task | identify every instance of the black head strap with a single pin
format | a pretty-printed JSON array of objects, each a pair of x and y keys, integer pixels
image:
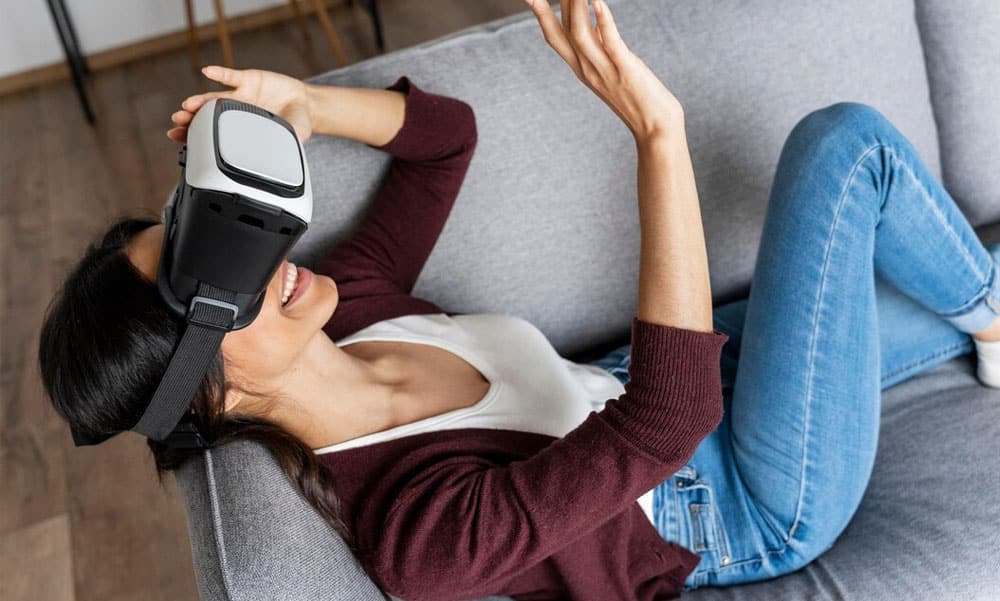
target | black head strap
[{"x": 210, "y": 315}]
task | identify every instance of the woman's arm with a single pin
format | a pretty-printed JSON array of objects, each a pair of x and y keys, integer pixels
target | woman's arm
[
  {"x": 432, "y": 139},
  {"x": 385, "y": 255},
  {"x": 674, "y": 284},
  {"x": 432, "y": 147},
  {"x": 471, "y": 523},
  {"x": 370, "y": 116}
]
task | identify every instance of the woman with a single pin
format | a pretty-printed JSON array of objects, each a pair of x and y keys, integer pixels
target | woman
[{"x": 460, "y": 454}]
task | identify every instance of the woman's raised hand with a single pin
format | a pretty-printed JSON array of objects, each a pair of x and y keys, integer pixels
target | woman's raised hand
[
  {"x": 284, "y": 96},
  {"x": 601, "y": 60}
]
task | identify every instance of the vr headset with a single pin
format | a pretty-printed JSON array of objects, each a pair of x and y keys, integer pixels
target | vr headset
[{"x": 243, "y": 200}]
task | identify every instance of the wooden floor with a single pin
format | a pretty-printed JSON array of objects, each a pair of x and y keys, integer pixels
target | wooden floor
[{"x": 94, "y": 523}]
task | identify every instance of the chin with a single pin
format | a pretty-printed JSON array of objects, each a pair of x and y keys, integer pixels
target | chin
[{"x": 334, "y": 301}]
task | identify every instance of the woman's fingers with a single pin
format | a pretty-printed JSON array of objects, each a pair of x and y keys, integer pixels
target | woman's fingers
[
  {"x": 182, "y": 117},
  {"x": 611, "y": 40},
  {"x": 190, "y": 105},
  {"x": 575, "y": 39},
  {"x": 178, "y": 134},
  {"x": 193, "y": 103},
  {"x": 584, "y": 39},
  {"x": 224, "y": 75},
  {"x": 554, "y": 34}
]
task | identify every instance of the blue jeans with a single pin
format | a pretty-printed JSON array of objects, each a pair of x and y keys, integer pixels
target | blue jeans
[{"x": 818, "y": 338}]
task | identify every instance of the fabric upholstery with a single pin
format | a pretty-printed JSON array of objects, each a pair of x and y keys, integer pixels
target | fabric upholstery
[
  {"x": 548, "y": 211},
  {"x": 548, "y": 208},
  {"x": 961, "y": 40},
  {"x": 255, "y": 539}
]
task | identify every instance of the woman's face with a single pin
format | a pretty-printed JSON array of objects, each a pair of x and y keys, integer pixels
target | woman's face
[{"x": 261, "y": 354}]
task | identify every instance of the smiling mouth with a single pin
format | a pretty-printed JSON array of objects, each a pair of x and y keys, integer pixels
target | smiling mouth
[{"x": 290, "y": 282}]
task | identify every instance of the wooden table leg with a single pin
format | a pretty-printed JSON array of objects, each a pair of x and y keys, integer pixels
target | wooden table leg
[
  {"x": 193, "y": 36},
  {"x": 331, "y": 33},
  {"x": 223, "y": 29},
  {"x": 297, "y": 11}
]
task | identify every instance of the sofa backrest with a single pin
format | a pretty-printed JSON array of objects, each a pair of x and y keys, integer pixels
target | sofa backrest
[
  {"x": 546, "y": 225},
  {"x": 961, "y": 41}
]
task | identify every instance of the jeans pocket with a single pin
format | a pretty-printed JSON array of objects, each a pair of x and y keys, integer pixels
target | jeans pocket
[{"x": 700, "y": 525}]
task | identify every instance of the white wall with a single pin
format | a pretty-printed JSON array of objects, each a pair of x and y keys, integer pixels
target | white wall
[{"x": 28, "y": 36}]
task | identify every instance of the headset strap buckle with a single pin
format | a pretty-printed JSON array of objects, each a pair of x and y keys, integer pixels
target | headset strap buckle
[{"x": 209, "y": 317}]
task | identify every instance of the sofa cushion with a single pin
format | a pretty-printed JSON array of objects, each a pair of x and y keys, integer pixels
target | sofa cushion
[
  {"x": 253, "y": 538},
  {"x": 962, "y": 49},
  {"x": 546, "y": 225}
]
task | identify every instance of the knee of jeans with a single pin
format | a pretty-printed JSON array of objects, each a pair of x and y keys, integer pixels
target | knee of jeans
[
  {"x": 811, "y": 537},
  {"x": 837, "y": 120},
  {"x": 803, "y": 548}
]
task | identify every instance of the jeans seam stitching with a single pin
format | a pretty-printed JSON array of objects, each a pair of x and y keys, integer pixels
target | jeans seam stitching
[
  {"x": 937, "y": 212},
  {"x": 805, "y": 418},
  {"x": 924, "y": 359}
]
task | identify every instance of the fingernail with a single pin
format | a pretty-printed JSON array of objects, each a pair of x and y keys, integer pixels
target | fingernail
[{"x": 598, "y": 7}]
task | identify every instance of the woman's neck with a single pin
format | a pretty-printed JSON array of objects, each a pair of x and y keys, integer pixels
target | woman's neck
[{"x": 331, "y": 395}]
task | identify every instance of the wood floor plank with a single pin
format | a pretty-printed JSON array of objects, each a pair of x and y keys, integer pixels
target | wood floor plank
[
  {"x": 129, "y": 538},
  {"x": 36, "y": 563},
  {"x": 129, "y": 535},
  {"x": 31, "y": 463}
]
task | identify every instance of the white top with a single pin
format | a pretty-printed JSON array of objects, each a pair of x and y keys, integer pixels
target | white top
[{"x": 532, "y": 387}]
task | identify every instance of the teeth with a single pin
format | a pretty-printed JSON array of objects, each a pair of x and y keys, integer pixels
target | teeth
[{"x": 291, "y": 277}]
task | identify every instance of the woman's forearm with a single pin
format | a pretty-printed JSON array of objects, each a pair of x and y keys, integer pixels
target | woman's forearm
[
  {"x": 368, "y": 115},
  {"x": 674, "y": 285}
]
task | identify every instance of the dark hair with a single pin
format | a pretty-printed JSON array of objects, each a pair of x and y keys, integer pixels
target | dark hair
[{"x": 105, "y": 344}]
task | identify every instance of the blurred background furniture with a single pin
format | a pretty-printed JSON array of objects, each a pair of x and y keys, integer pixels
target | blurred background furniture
[
  {"x": 373, "y": 11},
  {"x": 75, "y": 60},
  {"x": 79, "y": 68},
  {"x": 536, "y": 210},
  {"x": 222, "y": 27}
]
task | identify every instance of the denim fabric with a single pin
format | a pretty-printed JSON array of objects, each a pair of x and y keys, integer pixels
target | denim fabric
[{"x": 867, "y": 274}]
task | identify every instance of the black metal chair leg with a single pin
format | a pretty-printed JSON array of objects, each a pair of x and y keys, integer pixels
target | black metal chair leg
[
  {"x": 71, "y": 29},
  {"x": 77, "y": 67}
]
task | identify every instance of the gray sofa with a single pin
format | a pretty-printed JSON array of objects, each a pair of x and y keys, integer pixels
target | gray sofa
[{"x": 546, "y": 228}]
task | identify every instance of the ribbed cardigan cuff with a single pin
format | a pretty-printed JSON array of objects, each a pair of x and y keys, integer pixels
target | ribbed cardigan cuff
[{"x": 674, "y": 395}]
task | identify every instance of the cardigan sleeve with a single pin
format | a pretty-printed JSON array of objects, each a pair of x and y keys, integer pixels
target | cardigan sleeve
[
  {"x": 464, "y": 526},
  {"x": 431, "y": 154}
]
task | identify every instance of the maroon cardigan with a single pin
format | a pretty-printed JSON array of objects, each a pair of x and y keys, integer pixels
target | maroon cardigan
[{"x": 460, "y": 514}]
